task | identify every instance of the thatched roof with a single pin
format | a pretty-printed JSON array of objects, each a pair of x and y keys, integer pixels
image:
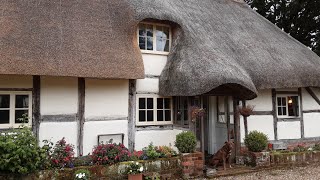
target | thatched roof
[
  {"x": 69, "y": 38},
  {"x": 218, "y": 44}
]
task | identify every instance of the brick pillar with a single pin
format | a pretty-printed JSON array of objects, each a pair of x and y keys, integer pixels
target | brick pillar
[{"x": 192, "y": 164}]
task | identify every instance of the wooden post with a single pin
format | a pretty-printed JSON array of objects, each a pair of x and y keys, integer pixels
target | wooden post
[
  {"x": 132, "y": 115},
  {"x": 227, "y": 112},
  {"x": 245, "y": 120},
  {"x": 81, "y": 109},
  {"x": 301, "y": 112},
  {"x": 202, "y": 128},
  {"x": 274, "y": 112},
  {"x": 36, "y": 106},
  {"x": 236, "y": 117}
]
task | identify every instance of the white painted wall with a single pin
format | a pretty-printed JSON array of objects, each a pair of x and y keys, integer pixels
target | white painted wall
[
  {"x": 289, "y": 130},
  {"x": 105, "y": 98},
  {"x": 15, "y": 81},
  {"x": 147, "y": 85},
  {"x": 308, "y": 102},
  {"x": 311, "y": 124},
  {"x": 262, "y": 123},
  {"x": 94, "y": 128},
  {"x": 58, "y": 95},
  {"x": 55, "y": 131},
  {"x": 154, "y": 64},
  {"x": 263, "y": 102},
  {"x": 157, "y": 137}
]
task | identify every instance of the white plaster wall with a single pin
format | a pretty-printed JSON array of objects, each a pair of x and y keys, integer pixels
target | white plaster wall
[
  {"x": 105, "y": 98},
  {"x": 154, "y": 64},
  {"x": 262, "y": 123},
  {"x": 148, "y": 85},
  {"x": 308, "y": 102},
  {"x": 289, "y": 130},
  {"x": 94, "y": 128},
  {"x": 157, "y": 137},
  {"x": 311, "y": 124},
  {"x": 55, "y": 131},
  {"x": 59, "y": 95},
  {"x": 15, "y": 81},
  {"x": 263, "y": 102}
]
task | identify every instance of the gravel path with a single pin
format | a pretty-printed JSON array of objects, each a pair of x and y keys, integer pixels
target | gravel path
[{"x": 311, "y": 172}]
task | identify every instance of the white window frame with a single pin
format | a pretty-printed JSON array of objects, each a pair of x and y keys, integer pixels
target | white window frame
[
  {"x": 287, "y": 110},
  {"x": 12, "y": 109},
  {"x": 154, "y": 122},
  {"x": 154, "y": 51}
]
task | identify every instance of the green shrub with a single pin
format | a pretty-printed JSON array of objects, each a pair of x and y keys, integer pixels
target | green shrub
[
  {"x": 19, "y": 151},
  {"x": 150, "y": 152},
  {"x": 256, "y": 141},
  {"x": 186, "y": 142}
]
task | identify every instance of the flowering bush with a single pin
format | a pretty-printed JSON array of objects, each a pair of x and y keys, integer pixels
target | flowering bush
[
  {"x": 63, "y": 154},
  {"x": 82, "y": 174},
  {"x": 137, "y": 155},
  {"x": 150, "y": 152},
  {"x": 166, "y": 151},
  {"x": 134, "y": 168},
  {"x": 19, "y": 151},
  {"x": 104, "y": 154}
]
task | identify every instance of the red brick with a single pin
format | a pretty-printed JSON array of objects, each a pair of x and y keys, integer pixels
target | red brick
[{"x": 187, "y": 163}]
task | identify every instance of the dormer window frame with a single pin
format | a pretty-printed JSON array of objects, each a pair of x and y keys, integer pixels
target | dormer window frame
[{"x": 154, "y": 44}]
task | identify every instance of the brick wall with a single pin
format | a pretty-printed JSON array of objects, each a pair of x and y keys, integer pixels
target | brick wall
[{"x": 192, "y": 164}]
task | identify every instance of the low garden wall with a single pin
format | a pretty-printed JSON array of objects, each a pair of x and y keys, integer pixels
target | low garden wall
[{"x": 294, "y": 158}]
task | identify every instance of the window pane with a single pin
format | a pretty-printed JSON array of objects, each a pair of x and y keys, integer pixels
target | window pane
[
  {"x": 142, "y": 30},
  {"x": 167, "y": 115},
  {"x": 279, "y": 101},
  {"x": 142, "y": 116},
  {"x": 4, "y": 116},
  {"x": 167, "y": 103},
  {"x": 149, "y": 115},
  {"x": 185, "y": 115},
  {"x": 18, "y": 116},
  {"x": 161, "y": 43},
  {"x": 279, "y": 111},
  {"x": 22, "y": 101},
  {"x": 149, "y": 30},
  {"x": 4, "y": 101},
  {"x": 142, "y": 42},
  {"x": 150, "y": 103},
  {"x": 160, "y": 115},
  {"x": 284, "y": 103},
  {"x": 179, "y": 116},
  {"x": 142, "y": 103},
  {"x": 149, "y": 43},
  {"x": 166, "y": 47},
  {"x": 159, "y": 103},
  {"x": 284, "y": 111},
  {"x": 293, "y": 106}
]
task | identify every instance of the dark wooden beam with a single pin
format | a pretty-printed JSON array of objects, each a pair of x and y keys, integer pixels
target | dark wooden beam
[
  {"x": 81, "y": 109},
  {"x": 245, "y": 120},
  {"x": 36, "y": 106},
  {"x": 301, "y": 114},
  {"x": 16, "y": 89},
  {"x": 227, "y": 110},
  {"x": 262, "y": 113},
  {"x": 132, "y": 115},
  {"x": 311, "y": 111},
  {"x": 288, "y": 92},
  {"x": 237, "y": 134},
  {"x": 275, "y": 117},
  {"x": 313, "y": 95}
]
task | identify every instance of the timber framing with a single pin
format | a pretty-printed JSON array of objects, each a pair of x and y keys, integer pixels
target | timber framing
[
  {"x": 274, "y": 113},
  {"x": 16, "y": 89},
  {"x": 236, "y": 127},
  {"x": 132, "y": 115},
  {"x": 301, "y": 113},
  {"x": 313, "y": 95},
  {"x": 80, "y": 114},
  {"x": 36, "y": 106},
  {"x": 245, "y": 120}
]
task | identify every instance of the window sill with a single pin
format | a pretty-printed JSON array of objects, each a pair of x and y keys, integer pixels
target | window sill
[
  {"x": 155, "y": 52},
  {"x": 140, "y": 124},
  {"x": 289, "y": 118}
]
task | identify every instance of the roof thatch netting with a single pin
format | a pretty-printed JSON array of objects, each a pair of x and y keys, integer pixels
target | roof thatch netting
[{"x": 217, "y": 43}]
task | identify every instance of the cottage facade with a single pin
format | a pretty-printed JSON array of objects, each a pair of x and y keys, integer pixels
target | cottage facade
[{"x": 120, "y": 70}]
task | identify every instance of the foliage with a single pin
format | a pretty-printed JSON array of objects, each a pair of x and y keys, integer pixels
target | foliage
[
  {"x": 104, "y": 154},
  {"x": 19, "y": 151},
  {"x": 137, "y": 155},
  {"x": 256, "y": 141},
  {"x": 82, "y": 161},
  {"x": 150, "y": 152},
  {"x": 134, "y": 168},
  {"x": 299, "y": 18},
  {"x": 186, "y": 142},
  {"x": 316, "y": 147},
  {"x": 300, "y": 148},
  {"x": 153, "y": 176},
  {"x": 82, "y": 174},
  {"x": 166, "y": 151},
  {"x": 62, "y": 154}
]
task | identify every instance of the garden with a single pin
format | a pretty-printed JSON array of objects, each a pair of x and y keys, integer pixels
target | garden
[{"x": 21, "y": 157}]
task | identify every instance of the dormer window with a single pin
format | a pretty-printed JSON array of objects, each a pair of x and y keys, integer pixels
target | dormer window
[{"x": 154, "y": 38}]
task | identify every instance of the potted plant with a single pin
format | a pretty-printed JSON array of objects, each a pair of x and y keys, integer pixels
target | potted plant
[
  {"x": 246, "y": 111},
  {"x": 134, "y": 171},
  {"x": 257, "y": 143},
  {"x": 196, "y": 112}
]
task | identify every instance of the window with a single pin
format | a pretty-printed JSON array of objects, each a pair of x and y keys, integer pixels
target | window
[
  {"x": 154, "y": 110},
  {"x": 182, "y": 111},
  {"x": 288, "y": 106},
  {"x": 13, "y": 105},
  {"x": 154, "y": 38}
]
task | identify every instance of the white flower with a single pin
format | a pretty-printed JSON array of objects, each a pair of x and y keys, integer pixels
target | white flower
[
  {"x": 130, "y": 170},
  {"x": 141, "y": 169},
  {"x": 77, "y": 175},
  {"x": 83, "y": 175},
  {"x": 80, "y": 175},
  {"x": 310, "y": 149},
  {"x": 137, "y": 163}
]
